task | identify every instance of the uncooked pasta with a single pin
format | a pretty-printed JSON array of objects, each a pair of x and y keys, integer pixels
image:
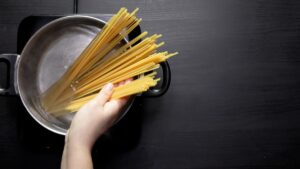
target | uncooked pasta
[{"x": 108, "y": 59}]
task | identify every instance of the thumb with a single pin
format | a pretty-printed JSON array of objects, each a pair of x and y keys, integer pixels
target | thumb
[{"x": 104, "y": 94}]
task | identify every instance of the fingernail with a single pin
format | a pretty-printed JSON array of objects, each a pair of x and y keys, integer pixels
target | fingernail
[{"x": 109, "y": 86}]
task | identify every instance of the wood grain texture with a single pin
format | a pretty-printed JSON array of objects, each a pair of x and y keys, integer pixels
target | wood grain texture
[{"x": 234, "y": 100}]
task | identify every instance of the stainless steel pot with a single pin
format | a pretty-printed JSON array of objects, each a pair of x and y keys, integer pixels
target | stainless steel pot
[{"x": 46, "y": 57}]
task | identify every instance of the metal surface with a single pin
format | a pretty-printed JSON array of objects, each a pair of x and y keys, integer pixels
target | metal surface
[{"x": 46, "y": 57}]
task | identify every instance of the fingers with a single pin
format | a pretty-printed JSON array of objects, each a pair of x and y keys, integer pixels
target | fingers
[
  {"x": 107, "y": 91},
  {"x": 119, "y": 84},
  {"x": 128, "y": 80},
  {"x": 123, "y": 82},
  {"x": 104, "y": 94},
  {"x": 123, "y": 101},
  {"x": 114, "y": 106}
]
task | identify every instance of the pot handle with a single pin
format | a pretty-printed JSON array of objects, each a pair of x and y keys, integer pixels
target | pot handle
[
  {"x": 165, "y": 83},
  {"x": 11, "y": 61}
]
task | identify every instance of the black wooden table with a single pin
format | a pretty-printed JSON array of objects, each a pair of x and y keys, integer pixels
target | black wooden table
[{"x": 234, "y": 100}]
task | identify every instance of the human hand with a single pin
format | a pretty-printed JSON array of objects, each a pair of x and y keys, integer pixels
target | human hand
[{"x": 95, "y": 117}]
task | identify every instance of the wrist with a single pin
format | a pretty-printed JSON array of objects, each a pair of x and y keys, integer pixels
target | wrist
[
  {"x": 77, "y": 142},
  {"x": 73, "y": 147}
]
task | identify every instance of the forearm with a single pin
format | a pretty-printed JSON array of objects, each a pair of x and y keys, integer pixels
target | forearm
[
  {"x": 76, "y": 156},
  {"x": 63, "y": 164}
]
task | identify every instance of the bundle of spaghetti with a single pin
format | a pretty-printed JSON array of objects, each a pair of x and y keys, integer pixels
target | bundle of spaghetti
[
  {"x": 119, "y": 26},
  {"x": 148, "y": 64},
  {"x": 136, "y": 86},
  {"x": 96, "y": 78},
  {"x": 108, "y": 59}
]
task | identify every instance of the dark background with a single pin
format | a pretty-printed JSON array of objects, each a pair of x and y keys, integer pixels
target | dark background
[{"x": 234, "y": 100}]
